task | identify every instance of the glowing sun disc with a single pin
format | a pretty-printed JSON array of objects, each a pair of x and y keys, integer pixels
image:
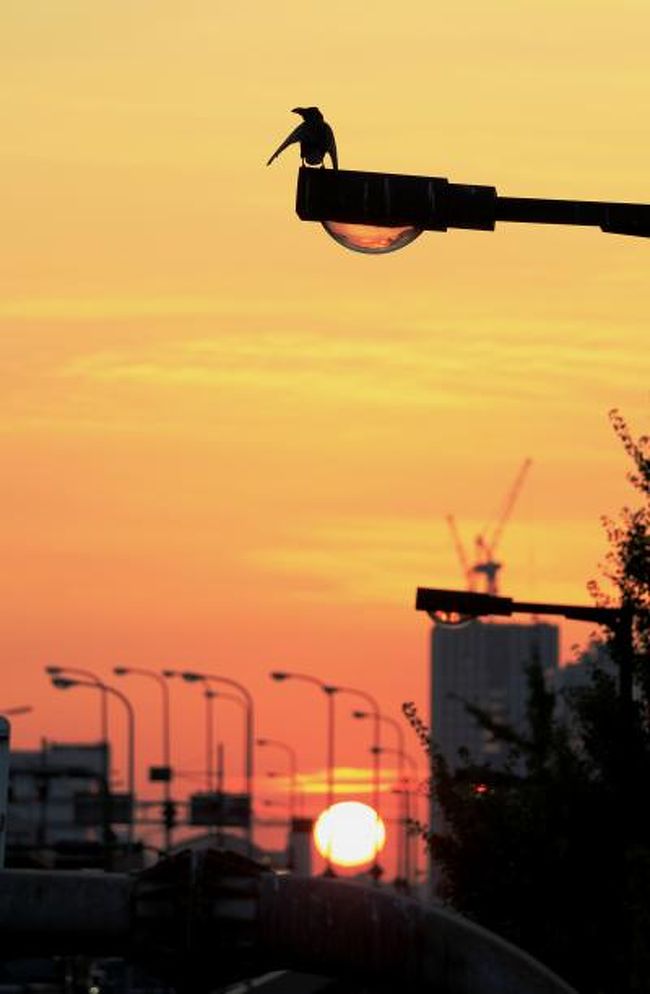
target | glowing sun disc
[{"x": 349, "y": 833}]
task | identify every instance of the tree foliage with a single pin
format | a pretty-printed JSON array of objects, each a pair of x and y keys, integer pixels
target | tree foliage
[{"x": 552, "y": 850}]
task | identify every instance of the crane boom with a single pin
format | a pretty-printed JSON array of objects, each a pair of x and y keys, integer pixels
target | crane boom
[
  {"x": 508, "y": 504},
  {"x": 468, "y": 572},
  {"x": 485, "y": 563}
]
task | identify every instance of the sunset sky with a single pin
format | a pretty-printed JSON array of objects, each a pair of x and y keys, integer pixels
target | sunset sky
[{"x": 229, "y": 444}]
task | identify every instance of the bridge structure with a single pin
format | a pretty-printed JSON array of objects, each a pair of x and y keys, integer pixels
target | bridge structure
[{"x": 199, "y": 920}]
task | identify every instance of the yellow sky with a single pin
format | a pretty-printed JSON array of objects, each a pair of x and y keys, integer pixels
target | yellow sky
[{"x": 226, "y": 441}]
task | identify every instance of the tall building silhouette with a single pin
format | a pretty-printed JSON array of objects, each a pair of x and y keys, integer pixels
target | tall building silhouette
[{"x": 484, "y": 664}]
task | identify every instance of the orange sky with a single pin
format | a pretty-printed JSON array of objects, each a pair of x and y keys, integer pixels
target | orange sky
[{"x": 228, "y": 443}]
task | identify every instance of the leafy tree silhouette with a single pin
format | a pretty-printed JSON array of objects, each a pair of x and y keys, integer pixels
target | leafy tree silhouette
[{"x": 552, "y": 850}]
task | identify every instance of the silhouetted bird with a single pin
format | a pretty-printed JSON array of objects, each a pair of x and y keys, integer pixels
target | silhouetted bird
[{"x": 315, "y": 136}]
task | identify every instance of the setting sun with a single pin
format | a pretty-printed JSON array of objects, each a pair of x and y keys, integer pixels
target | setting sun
[{"x": 349, "y": 833}]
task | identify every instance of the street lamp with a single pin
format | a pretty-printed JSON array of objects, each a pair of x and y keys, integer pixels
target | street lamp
[
  {"x": 410, "y": 857},
  {"x": 224, "y": 696},
  {"x": 65, "y": 683},
  {"x": 375, "y": 714},
  {"x": 457, "y": 607},
  {"x": 87, "y": 675},
  {"x": 329, "y": 691},
  {"x": 380, "y": 212},
  {"x": 401, "y": 877},
  {"x": 453, "y": 607},
  {"x": 293, "y": 768},
  {"x": 166, "y": 771},
  {"x": 190, "y": 676}
]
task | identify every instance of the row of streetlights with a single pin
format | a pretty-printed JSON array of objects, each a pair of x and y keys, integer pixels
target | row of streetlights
[
  {"x": 378, "y": 718},
  {"x": 64, "y": 677}
]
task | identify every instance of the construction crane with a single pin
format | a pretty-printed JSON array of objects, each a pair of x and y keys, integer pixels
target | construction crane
[
  {"x": 468, "y": 571},
  {"x": 485, "y": 564}
]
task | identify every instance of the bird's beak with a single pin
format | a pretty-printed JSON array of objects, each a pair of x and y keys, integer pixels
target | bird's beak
[{"x": 298, "y": 110}]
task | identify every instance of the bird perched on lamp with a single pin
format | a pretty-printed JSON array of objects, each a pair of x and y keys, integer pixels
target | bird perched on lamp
[{"x": 315, "y": 136}]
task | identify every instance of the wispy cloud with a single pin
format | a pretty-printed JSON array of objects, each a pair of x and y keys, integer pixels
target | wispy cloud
[
  {"x": 400, "y": 372},
  {"x": 348, "y": 780}
]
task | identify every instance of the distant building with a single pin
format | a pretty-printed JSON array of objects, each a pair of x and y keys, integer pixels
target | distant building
[
  {"x": 45, "y": 786},
  {"x": 579, "y": 673},
  {"x": 484, "y": 664}
]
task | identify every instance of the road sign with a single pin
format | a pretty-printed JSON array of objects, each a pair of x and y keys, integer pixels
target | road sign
[{"x": 224, "y": 810}]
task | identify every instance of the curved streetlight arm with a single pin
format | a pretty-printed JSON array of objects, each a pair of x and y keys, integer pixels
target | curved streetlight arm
[
  {"x": 293, "y": 767},
  {"x": 434, "y": 204},
  {"x": 164, "y": 692},
  {"x": 375, "y": 714},
  {"x": 192, "y": 676},
  {"x": 89, "y": 675},
  {"x": 330, "y": 691},
  {"x": 166, "y": 736},
  {"x": 466, "y": 605},
  {"x": 63, "y": 683},
  {"x": 281, "y": 675}
]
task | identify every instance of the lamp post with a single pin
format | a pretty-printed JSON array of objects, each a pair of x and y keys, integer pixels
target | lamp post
[
  {"x": 86, "y": 675},
  {"x": 225, "y": 696},
  {"x": 394, "y": 209},
  {"x": 375, "y": 714},
  {"x": 65, "y": 683},
  {"x": 410, "y": 858},
  {"x": 330, "y": 691},
  {"x": 330, "y": 752},
  {"x": 293, "y": 768},
  {"x": 209, "y": 696},
  {"x": 191, "y": 676},
  {"x": 401, "y": 878},
  {"x": 453, "y": 607},
  {"x": 166, "y": 737}
]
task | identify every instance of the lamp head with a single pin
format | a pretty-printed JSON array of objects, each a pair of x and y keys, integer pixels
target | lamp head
[
  {"x": 63, "y": 683},
  {"x": 191, "y": 677},
  {"x": 279, "y": 675},
  {"x": 261, "y": 742},
  {"x": 330, "y": 689},
  {"x": 120, "y": 670},
  {"x": 170, "y": 673},
  {"x": 359, "y": 714},
  {"x": 53, "y": 670}
]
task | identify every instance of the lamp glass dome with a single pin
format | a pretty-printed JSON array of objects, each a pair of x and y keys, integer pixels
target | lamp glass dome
[
  {"x": 451, "y": 619},
  {"x": 369, "y": 238}
]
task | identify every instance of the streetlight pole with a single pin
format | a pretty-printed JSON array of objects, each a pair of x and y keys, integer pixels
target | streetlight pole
[
  {"x": 401, "y": 877},
  {"x": 330, "y": 753},
  {"x": 224, "y": 696},
  {"x": 103, "y": 701},
  {"x": 375, "y": 714},
  {"x": 209, "y": 696},
  {"x": 410, "y": 857},
  {"x": 376, "y": 750},
  {"x": 64, "y": 683},
  {"x": 193, "y": 677},
  {"x": 293, "y": 769},
  {"x": 453, "y": 607},
  {"x": 166, "y": 737}
]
